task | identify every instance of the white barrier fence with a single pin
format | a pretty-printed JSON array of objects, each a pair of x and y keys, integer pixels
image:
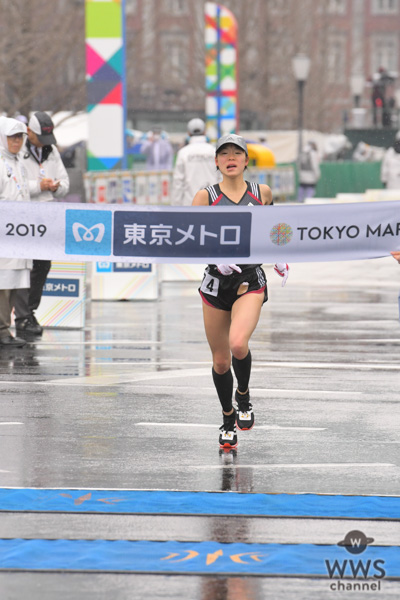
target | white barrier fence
[
  {"x": 155, "y": 187},
  {"x": 281, "y": 180}
]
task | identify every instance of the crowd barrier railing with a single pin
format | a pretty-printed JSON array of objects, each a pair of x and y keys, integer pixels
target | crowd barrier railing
[{"x": 155, "y": 187}]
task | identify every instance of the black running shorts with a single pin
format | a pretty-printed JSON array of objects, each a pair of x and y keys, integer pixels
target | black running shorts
[{"x": 221, "y": 291}]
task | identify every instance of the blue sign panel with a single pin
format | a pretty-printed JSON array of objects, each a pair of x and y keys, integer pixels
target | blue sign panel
[
  {"x": 120, "y": 267},
  {"x": 88, "y": 232},
  {"x": 61, "y": 287},
  {"x": 104, "y": 266},
  {"x": 127, "y": 189},
  {"x": 176, "y": 234}
]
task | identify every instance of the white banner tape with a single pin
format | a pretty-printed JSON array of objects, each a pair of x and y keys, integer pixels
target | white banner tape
[{"x": 161, "y": 234}]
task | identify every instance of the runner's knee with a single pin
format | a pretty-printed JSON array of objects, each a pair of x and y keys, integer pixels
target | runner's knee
[
  {"x": 221, "y": 363},
  {"x": 239, "y": 346}
]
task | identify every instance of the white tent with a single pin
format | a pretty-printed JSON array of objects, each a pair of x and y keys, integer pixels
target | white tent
[
  {"x": 284, "y": 144},
  {"x": 70, "y": 128},
  {"x": 73, "y": 128}
]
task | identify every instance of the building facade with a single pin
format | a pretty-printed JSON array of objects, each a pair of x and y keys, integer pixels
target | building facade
[
  {"x": 165, "y": 62},
  {"x": 343, "y": 38}
]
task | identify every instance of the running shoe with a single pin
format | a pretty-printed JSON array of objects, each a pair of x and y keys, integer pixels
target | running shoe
[
  {"x": 28, "y": 325},
  {"x": 228, "y": 437},
  {"x": 245, "y": 414}
]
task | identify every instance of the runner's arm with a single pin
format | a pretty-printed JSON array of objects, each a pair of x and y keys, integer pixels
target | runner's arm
[
  {"x": 266, "y": 194},
  {"x": 201, "y": 198}
]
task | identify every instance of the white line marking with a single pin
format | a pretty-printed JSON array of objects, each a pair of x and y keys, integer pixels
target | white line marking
[
  {"x": 122, "y": 378},
  {"x": 101, "y": 343},
  {"x": 151, "y": 363},
  {"x": 375, "y": 340},
  {"x": 11, "y": 423},
  {"x": 329, "y": 365},
  {"x": 130, "y": 342},
  {"x": 262, "y": 391},
  {"x": 180, "y": 374},
  {"x": 208, "y": 426},
  {"x": 287, "y": 466},
  {"x": 99, "y": 489}
]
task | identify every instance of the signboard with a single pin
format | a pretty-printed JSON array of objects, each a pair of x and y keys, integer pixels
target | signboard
[
  {"x": 105, "y": 75},
  {"x": 64, "y": 296},
  {"x": 221, "y": 71}
]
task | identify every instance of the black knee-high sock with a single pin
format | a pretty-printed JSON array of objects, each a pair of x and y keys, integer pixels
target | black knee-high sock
[
  {"x": 242, "y": 370},
  {"x": 224, "y": 386}
]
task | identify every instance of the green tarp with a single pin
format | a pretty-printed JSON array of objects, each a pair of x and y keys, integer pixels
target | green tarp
[{"x": 348, "y": 177}]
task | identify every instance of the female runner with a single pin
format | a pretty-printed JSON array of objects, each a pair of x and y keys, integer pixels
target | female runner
[{"x": 233, "y": 294}]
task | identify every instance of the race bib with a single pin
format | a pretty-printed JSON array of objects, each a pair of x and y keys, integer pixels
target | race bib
[{"x": 210, "y": 285}]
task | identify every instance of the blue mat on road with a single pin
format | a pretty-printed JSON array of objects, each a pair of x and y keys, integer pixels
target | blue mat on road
[
  {"x": 202, "y": 557},
  {"x": 199, "y": 503}
]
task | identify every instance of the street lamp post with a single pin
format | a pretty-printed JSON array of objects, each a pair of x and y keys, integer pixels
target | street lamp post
[
  {"x": 397, "y": 98},
  {"x": 357, "y": 87},
  {"x": 357, "y": 83},
  {"x": 301, "y": 67}
]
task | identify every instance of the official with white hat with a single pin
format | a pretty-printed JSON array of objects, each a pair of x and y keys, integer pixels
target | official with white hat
[{"x": 195, "y": 165}]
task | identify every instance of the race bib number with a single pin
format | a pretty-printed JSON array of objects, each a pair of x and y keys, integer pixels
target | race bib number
[{"x": 210, "y": 285}]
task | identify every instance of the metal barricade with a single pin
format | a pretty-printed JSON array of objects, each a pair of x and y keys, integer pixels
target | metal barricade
[
  {"x": 155, "y": 187},
  {"x": 132, "y": 187}
]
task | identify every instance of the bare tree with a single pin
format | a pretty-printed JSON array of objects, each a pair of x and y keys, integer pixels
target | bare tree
[
  {"x": 271, "y": 32},
  {"x": 42, "y": 55}
]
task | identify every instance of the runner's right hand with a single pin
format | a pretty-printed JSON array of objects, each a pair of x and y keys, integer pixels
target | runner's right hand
[{"x": 228, "y": 269}]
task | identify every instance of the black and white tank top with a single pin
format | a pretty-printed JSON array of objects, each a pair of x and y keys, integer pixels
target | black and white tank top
[{"x": 251, "y": 197}]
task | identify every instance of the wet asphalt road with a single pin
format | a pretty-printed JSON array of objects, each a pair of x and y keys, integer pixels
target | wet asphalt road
[{"x": 128, "y": 403}]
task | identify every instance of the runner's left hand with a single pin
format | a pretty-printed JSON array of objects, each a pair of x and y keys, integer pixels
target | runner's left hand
[
  {"x": 396, "y": 255},
  {"x": 282, "y": 269}
]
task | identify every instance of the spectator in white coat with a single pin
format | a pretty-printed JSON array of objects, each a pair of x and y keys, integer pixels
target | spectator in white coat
[
  {"x": 195, "y": 166},
  {"x": 14, "y": 272},
  {"x": 48, "y": 180},
  {"x": 158, "y": 150},
  {"x": 309, "y": 171},
  {"x": 390, "y": 168}
]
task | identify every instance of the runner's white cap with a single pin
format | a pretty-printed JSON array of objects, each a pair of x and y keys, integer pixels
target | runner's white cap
[{"x": 232, "y": 138}]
